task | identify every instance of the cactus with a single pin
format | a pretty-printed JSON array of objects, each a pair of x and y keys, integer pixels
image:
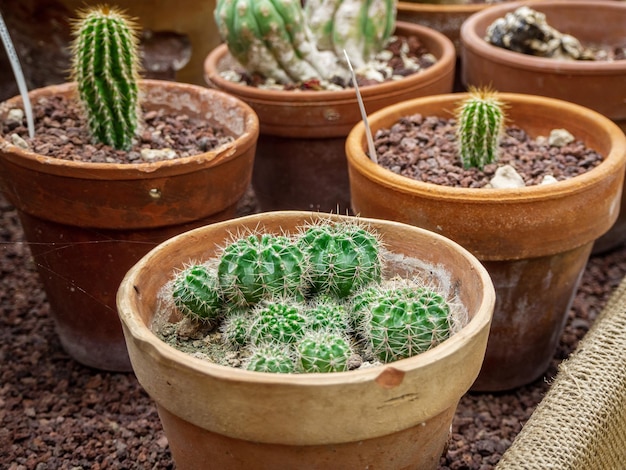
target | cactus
[
  {"x": 275, "y": 38},
  {"x": 325, "y": 313},
  {"x": 343, "y": 258},
  {"x": 196, "y": 293},
  {"x": 236, "y": 328},
  {"x": 323, "y": 351},
  {"x": 105, "y": 67},
  {"x": 480, "y": 123},
  {"x": 279, "y": 321},
  {"x": 256, "y": 267},
  {"x": 274, "y": 358},
  {"x": 403, "y": 321}
]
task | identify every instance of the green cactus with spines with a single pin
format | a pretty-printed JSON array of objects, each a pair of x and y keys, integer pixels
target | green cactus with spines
[
  {"x": 236, "y": 328},
  {"x": 105, "y": 66},
  {"x": 271, "y": 357},
  {"x": 323, "y": 351},
  {"x": 275, "y": 37},
  {"x": 343, "y": 258},
  {"x": 281, "y": 321},
  {"x": 253, "y": 268},
  {"x": 479, "y": 125},
  {"x": 324, "y": 312},
  {"x": 197, "y": 294},
  {"x": 403, "y": 321}
]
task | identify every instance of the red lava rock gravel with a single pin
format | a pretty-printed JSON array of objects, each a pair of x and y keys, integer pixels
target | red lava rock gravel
[{"x": 57, "y": 414}]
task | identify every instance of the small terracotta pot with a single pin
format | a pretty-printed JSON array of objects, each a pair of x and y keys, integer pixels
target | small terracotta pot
[
  {"x": 598, "y": 85},
  {"x": 88, "y": 223},
  {"x": 534, "y": 241},
  {"x": 392, "y": 416},
  {"x": 300, "y": 160}
]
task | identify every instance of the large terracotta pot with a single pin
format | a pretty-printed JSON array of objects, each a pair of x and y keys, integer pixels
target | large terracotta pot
[
  {"x": 87, "y": 223},
  {"x": 175, "y": 38},
  {"x": 534, "y": 241},
  {"x": 300, "y": 161},
  {"x": 598, "y": 85},
  {"x": 392, "y": 416}
]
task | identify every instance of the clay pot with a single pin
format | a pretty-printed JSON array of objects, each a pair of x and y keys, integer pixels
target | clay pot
[
  {"x": 391, "y": 416},
  {"x": 594, "y": 84},
  {"x": 300, "y": 161},
  {"x": 171, "y": 31},
  {"x": 534, "y": 241},
  {"x": 86, "y": 224}
]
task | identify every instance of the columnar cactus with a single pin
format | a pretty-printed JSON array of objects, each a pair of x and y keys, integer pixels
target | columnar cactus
[
  {"x": 271, "y": 357},
  {"x": 323, "y": 351},
  {"x": 343, "y": 258},
  {"x": 256, "y": 267},
  {"x": 405, "y": 321},
  {"x": 196, "y": 293},
  {"x": 278, "y": 321},
  {"x": 105, "y": 67},
  {"x": 480, "y": 122},
  {"x": 275, "y": 37}
]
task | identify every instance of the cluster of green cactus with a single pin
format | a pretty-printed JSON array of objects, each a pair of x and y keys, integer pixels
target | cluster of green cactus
[
  {"x": 282, "y": 40},
  {"x": 301, "y": 303},
  {"x": 105, "y": 68},
  {"x": 479, "y": 125}
]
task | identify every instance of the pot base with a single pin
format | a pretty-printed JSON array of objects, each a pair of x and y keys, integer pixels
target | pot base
[{"x": 417, "y": 448}]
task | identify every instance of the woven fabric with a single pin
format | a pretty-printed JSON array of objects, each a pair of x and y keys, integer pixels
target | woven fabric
[{"x": 581, "y": 422}]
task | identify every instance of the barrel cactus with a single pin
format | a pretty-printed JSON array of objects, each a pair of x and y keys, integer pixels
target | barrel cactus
[
  {"x": 280, "y": 39},
  {"x": 105, "y": 68},
  {"x": 280, "y": 321},
  {"x": 343, "y": 257},
  {"x": 325, "y": 313},
  {"x": 271, "y": 357},
  {"x": 196, "y": 293},
  {"x": 479, "y": 126},
  {"x": 323, "y": 351},
  {"x": 404, "y": 321},
  {"x": 256, "y": 267}
]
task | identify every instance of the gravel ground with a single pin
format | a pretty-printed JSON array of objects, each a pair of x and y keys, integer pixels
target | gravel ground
[{"x": 57, "y": 414}]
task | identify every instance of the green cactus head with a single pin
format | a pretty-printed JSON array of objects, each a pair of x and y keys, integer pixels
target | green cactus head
[
  {"x": 105, "y": 67},
  {"x": 324, "y": 312},
  {"x": 280, "y": 321},
  {"x": 196, "y": 293},
  {"x": 343, "y": 257},
  {"x": 323, "y": 351},
  {"x": 404, "y": 319},
  {"x": 236, "y": 328},
  {"x": 271, "y": 357},
  {"x": 253, "y": 268},
  {"x": 479, "y": 126}
]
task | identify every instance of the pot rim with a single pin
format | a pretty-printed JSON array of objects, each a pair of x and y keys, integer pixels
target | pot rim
[
  {"x": 97, "y": 171},
  {"x": 471, "y": 40},
  {"x": 613, "y": 162},
  {"x": 336, "y": 97}
]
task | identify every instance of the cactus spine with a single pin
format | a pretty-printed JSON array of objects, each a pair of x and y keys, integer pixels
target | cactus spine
[
  {"x": 323, "y": 351},
  {"x": 196, "y": 293},
  {"x": 274, "y": 358},
  {"x": 105, "y": 67},
  {"x": 281, "y": 40},
  {"x": 480, "y": 123}
]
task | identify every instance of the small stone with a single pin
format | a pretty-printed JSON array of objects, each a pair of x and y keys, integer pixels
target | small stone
[
  {"x": 506, "y": 177},
  {"x": 158, "y": 154},
  {"x": 19, "y": 142},
  {"x": 560, "y": 137},
  {"x": 15, "y": 116},
  {"x": 548, "y": 179}
]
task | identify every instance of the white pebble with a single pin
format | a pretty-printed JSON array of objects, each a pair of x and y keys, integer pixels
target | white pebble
[
  {"x": 560, "y": 137},
  {"x": 548, "y": 179},
  {"x": 15, "y": 116},
  {"x": 19, "y": 142},
  {"x": 157, "y": 154},
  {"x": 506, "y": 177}
]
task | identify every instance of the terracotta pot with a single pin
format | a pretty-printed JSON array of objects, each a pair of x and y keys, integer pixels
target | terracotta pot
[
  {"x": 88, "y": 223},
  {"x": 594, "y": 84},
  {"x": 391, "y": 416},
  {"x": 175, "y": 38},
  {"x": 534, "y": 241},
  {"x": 300, "y": 160}
]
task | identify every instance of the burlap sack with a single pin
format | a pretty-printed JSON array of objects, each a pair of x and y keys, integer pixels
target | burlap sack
[{"x": 581, "y": 422}]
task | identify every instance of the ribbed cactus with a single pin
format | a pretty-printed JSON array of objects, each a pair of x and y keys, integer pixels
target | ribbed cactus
[
  {"x": 236, "y": 328},
  {"x": 105, "y": 67},
  {"x": 280, "y": 321},
  {"x": 271, "y": 357},
  {"x": 326, "y": 313},
  {"x": 405, "y": 321},
  {"x": 196, "y": 293},
  {"x": 343, "y": 257},
  {"x": 275, "y": 39},
  {"x": 256, "y": 267},
  {"x": 323, "y": 351},
  {"x": 480, "y": 122}
]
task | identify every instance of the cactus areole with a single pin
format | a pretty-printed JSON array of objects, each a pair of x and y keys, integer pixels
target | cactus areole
[
  {"x": 105, "y": 67},
  {"x": 282, "y": 40}
]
